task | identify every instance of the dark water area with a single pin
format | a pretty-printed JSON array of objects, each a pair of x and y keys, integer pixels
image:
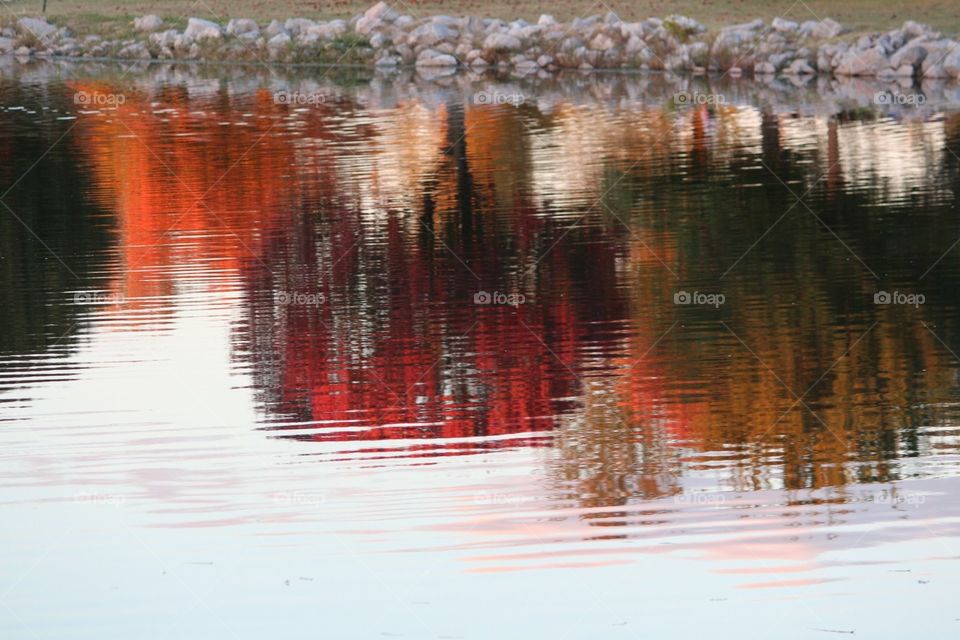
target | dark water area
[{"x": 348, "y": 366}]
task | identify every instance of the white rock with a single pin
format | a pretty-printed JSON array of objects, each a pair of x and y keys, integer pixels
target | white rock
[
  {"x": 635, "y": 46},
  {"x": 386, "y": 61},
  {"x": 242, "y": 26},
  {"x": 279, "y": 41},
  {"x": 431, "y": 33},
  {"x": 431, "y": 58},
  {"x": 919, "y": 49},
  {"x": 784, "y": 26},
  {"x": 862, "y": 63},
  {"x": 799, "y": 68},
  {"x": 382, "y": 12},
  {"x": 602, "y": 42},
  {"x": 546, "y": 20},
  {"x": 951, "y": 63},
  {"x": 164, "y": 38},
  {"x": 905, "y": 71},
  {"x": 137, "y": 50},
  {"x": 366, "y": 26},
  {"x": 764, "y": 68},
  {"x": 147, "y": 23},
  {"x": 913, "y": 29},
  {"x": 296, "y": 26},
  {"x": 820, "y": 29},
  {"x": 36, "y": 27},
  {"x": 686, "y": 25},
  {"x": 200, "y": 29},
  {"x": 328, "y": 31},
  {"x": 6, "y": 44},
  {"x": 502, "y": 42},
  {"x": 545, "y": 60},
  {"x": 526, "y": 66},
  {"x": 274, "y": 28}
]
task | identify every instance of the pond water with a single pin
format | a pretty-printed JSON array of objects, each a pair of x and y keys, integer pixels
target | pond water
[{"x": 318, "y": 354}]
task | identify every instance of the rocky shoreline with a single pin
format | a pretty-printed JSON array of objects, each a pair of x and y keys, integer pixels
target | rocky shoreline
[{"x": 386, "y": 39}]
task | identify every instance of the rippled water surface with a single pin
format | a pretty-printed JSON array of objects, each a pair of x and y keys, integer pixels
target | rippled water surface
[{"x": 405, "y": 363}]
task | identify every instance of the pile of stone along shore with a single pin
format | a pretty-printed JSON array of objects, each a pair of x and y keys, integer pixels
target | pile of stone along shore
[{"x": 383, "y": 37}]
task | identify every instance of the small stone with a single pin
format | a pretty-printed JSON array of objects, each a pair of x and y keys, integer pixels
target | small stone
[
  {"x": 545, "y": 60},
  {"x": 6, "y": 44}
]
